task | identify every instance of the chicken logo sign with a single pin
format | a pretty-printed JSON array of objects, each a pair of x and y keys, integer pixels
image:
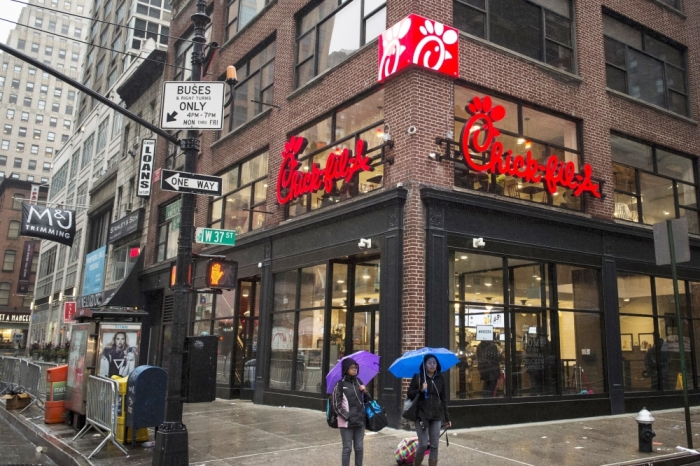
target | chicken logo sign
[{"x": 419, "y": 41}]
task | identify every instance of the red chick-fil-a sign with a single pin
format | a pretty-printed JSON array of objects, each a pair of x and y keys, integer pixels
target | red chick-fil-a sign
[
  {"x": 293, "y": 183},
  {"x": 552, "y": 173},
  {"x": 420, "y": 41}
]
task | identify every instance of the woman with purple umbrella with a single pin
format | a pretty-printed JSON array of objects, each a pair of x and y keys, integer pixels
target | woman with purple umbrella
[{"x": 348, "y": 403}]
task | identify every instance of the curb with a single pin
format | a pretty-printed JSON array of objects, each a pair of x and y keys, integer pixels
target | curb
[{"x": 61, "y": 453}]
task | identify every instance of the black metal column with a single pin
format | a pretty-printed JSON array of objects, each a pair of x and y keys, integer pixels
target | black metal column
[
  {"x": 437, "y": 318},
  {"x": 171, "y": 439},
  {"x": 612, "y": 334},
  {"x": 264, "y": 325}
]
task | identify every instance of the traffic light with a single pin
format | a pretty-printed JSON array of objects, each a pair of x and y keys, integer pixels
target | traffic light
[
  {"x": 173, "y": 274},
  {"x": 221, "y": 274}
]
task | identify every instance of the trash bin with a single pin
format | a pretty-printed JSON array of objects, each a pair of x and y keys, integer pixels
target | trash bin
[
  {"x": 55, "y": 411},
  {"x": 123, "y": 433}
]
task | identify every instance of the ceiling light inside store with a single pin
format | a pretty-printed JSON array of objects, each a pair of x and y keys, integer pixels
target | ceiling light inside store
[
  {"x": 463, "y": 257},
  {"x": 365, "y": 273},
  {"x": 627, "y": 300},
  {"x": 487, "y": 281},
  {"x": 521, "y": 140},
  {"x": 340, "y": 281}
]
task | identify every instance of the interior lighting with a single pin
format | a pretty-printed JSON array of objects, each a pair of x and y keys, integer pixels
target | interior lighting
[{"x": 365, "y": 273}]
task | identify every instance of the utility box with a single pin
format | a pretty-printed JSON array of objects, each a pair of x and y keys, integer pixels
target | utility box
[
  {"x": 145, "y": 398},
  {"x": 199, "y": 371},
  {"x": 55, "y": 411}
]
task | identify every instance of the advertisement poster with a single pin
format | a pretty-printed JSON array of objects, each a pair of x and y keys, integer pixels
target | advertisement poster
[
  {"x": 94, "y": 271},
  {"x": 119, "y": 349},
  {"x": 76, "y": 366}
]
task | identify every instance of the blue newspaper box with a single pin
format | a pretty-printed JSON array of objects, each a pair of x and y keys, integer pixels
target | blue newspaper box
[{"x": 145, "y": 398}]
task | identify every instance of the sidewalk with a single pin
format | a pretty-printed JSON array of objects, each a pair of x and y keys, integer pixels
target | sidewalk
[{"x": 234, "y": 432}]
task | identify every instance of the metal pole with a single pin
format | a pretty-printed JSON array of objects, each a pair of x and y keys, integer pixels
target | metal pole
[
  {"x": 681, "y": 338},
  {"x": 171, "y": 441}
]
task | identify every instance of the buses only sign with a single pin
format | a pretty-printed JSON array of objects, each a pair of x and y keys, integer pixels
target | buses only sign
[{"x": 192, "y": 105}]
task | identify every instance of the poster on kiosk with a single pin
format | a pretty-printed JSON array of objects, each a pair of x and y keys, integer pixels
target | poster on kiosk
[{"x": 118, "y": 348}]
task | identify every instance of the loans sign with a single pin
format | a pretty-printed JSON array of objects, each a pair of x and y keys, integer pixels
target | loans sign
[
  {"x": 479, "y": 136},
  {"x": 148, "y": 148}
]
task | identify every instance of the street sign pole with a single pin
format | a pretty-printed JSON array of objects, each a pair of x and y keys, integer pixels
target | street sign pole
[
  {"x": 681, "y": 336},
  {"x": 171, "y": 441}
]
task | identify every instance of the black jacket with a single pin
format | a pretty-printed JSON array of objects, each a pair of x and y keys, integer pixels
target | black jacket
[
  {"x": 348, "y": 402},
  {"x": 435, "y": 406}
]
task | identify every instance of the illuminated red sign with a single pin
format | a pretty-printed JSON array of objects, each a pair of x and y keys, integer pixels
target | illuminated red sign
[
  {"x": 416, "y": 40},
  {"x": 68, "y": 310},
  {"x": 293, "y": 183},
  {"x": 552, "y": 173}
]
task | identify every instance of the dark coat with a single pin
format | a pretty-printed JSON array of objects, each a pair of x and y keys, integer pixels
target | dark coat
[
  {"x": 435, "y": 406},
  {"x": 348, "y": 402}
]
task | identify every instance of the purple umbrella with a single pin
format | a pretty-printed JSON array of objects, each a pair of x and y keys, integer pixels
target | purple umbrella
[{"x": 369, "y": 368}]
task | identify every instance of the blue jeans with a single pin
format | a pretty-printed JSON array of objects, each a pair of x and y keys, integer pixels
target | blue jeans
[
  {"x": 431, "y": 435},
  {"x": 350, "y": 436}
]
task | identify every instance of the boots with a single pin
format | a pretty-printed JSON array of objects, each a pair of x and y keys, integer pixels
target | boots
[
  {"x": 418, "y": 461},
  {"x": 432, "y": 462}
]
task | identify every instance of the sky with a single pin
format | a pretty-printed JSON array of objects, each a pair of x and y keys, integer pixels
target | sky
[{"x": 10, "y": 10}]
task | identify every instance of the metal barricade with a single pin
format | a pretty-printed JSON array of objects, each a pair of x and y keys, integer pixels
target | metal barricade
[
  {"x": 42, "y": 381},
  {"x": 31, "y": 378},
  {"x": 10, "y": 377},
  {"x": 101, "y": 411}
]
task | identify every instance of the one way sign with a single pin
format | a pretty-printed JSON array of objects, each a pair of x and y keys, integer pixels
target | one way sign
[{"x": 190, "y": 183}]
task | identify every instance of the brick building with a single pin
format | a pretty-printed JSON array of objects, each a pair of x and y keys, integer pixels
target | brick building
[{"x": 559, "y": 310}]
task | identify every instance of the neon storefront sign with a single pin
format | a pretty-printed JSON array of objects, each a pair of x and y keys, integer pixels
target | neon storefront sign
[
  {"x": 479, "y": 135},
  {"x": 293, "y": 183}
]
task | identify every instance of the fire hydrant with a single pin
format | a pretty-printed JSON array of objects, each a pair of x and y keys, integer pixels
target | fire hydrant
[{"x": 646, "y": 434}]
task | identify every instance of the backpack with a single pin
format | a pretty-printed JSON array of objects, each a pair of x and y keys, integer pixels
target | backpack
[
  {"x": 331, "y": 415},
  {"x": 405, "y": 452}
]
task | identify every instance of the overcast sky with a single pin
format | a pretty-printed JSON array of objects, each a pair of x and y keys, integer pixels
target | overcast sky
[{"x": 10, "y": 10}]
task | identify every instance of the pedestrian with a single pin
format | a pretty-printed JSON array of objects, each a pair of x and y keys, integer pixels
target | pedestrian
[
  {"x": 348, "y": 403},
  {"x": 488, "y": 360},
  {"x": 429, "y": 385}
]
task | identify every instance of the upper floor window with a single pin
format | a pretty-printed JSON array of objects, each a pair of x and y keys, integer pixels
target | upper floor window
[
  {"x": 650, "y": 68},
  {"x": 653, "y": 184},
  {"x": 332, "y": 31},
  {"x": 255, "y": 83},
  {"x": 363, "y": 119},
  {"x": 240, "y": 13},
  {"x": 87, "y": 151},
  {"x": 539, "y": 29},
  {"x": 523, "y": 130},
  {"x": 672, "y": 3},
  {"x": 245, "y": 190}
]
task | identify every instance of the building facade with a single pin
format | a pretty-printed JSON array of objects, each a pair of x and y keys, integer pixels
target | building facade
[
  {"x": 37, "y": 109},
  {"x": 503, "y": 211}
]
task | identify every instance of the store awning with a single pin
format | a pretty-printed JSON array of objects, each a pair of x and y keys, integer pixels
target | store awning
[{"x": 124, "y": 296}]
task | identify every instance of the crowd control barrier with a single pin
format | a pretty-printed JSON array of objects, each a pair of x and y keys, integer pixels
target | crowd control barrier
[
  {"x": 9, "y": 377},
  {"x": 42, "y": 382},
  {"x": 30, "y": 378},
  {"x": 101, "y": 411}
]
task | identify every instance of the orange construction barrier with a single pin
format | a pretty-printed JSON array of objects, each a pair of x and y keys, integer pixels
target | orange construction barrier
[{"x": 56, "y": 380}]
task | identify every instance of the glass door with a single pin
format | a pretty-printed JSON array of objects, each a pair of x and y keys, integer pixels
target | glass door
[{"x": 246, "y": 342}]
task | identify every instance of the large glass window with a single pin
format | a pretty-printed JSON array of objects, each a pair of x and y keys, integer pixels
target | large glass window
[
  {"x": 329, "y": 33},
  {"x": 360, "y": 120},
  {"x": 649, "y": 332},
  {"x": 240, "y": 13},
  {"x": 254, "y": 88},
  {"x": 653, "y": 184},
  {"x": 540, "y": 29},
  {"x": 524, "y": 130},
  {"x": 651, "y": 68},
  {"x": 524, "y": 328},
  {"x": 242, "y": 206}
]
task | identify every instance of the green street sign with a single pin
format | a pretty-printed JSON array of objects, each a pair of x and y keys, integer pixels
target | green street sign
[
  {"x": 215, "y": 236},
  {"x": 173, "y": 210}
]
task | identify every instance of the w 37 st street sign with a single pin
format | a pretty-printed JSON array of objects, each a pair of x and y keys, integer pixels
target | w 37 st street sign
[{"x": 194, "y": 183}]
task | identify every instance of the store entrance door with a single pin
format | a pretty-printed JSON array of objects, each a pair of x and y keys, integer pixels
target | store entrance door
[{"x": 245, "y": 349}]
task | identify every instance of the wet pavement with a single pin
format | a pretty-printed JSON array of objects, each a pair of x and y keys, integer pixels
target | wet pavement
[
  {"x": 15, "y": 448},
  {"x": 239, "y": 433}
]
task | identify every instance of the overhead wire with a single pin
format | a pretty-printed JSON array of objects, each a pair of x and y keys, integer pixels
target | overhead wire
[
  {"x": 105, "y": 22},
  {"x": 132, "y": 55}
]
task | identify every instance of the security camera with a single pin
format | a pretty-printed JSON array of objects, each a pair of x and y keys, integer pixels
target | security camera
[
  {"x": 365, "y": 243},
  {"x": 478, "y": 243}
]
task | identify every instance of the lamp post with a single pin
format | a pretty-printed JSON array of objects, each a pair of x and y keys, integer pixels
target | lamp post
[{"x": 171, "y": 440}]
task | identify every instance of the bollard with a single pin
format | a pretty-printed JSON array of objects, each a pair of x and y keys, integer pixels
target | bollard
[{"x": 646, "y": 434}]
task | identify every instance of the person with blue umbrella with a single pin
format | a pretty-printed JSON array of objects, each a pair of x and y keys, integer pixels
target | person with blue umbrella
[{"x": 428, "y": 389}]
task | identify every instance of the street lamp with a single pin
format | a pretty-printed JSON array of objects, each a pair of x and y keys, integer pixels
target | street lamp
[{"x": 231, "y": 80}]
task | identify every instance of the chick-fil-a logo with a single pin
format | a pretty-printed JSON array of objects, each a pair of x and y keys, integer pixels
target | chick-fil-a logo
[
  {"x": 416, "y": 40},
  {"x": 479, "y": 135},
  {"x": 340, "y": 165}
]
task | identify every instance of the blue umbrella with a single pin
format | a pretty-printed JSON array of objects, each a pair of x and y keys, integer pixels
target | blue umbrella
[
  {"x": 408, "y": 364},
  {"x": 367, "y": 362}
]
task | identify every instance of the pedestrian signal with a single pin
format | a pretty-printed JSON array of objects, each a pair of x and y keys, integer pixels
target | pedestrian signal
[{"x": 222, "y": 274}]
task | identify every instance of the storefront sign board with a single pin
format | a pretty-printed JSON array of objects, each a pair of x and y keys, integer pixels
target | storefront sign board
[
  {"x": 25, "y": 268},
  {"x": 13, "y": 317},
  {"x": 148, "y": 150},
  {"x": 69, "y": 308},
  {"x": 94, "y": 271},
  {"x": 34, "y": 195},
  {"x": 681, "y": 242},
  {"x": 215, "y": 236},
  {"x": 192, "y": 105},
  {"x": 484, "y": 333},
  {"x": 125, "y": 226},
  {"x": 418, "y": 41},
  {"x": 46, "y": 223}
]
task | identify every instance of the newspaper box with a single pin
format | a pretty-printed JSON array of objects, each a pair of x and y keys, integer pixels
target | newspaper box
[
  {"x": 123, "y": 433},
  {"x": 145, "y": 398},
  {"x": 55, "y": 411}
]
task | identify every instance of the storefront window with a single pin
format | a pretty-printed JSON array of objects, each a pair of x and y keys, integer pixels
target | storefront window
[
  {"x": 360, "y": 120},
  {"x": 649, "y": 333},
  {"x": 524, "y": 328},
  {"x": 650, "y": 195},
  {"x": 245, "y": 187},
  {"x": 523, "y": 130}
]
